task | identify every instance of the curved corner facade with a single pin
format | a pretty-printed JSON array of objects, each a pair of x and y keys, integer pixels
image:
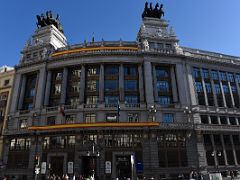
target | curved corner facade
[{"x": 122, "y": 109}]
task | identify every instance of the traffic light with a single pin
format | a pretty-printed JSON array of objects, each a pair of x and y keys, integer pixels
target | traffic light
[{"x": 37, "y": 160}]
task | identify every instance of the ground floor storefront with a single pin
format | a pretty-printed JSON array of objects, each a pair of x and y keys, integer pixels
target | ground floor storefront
[{"x": 109, "y": 154}]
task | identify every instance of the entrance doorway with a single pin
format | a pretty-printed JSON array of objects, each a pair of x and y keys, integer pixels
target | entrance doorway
[
  {"x": 57, "y": 165},
  {"x": 89, "y": 166},
  {"x": 123, "y": 166}
]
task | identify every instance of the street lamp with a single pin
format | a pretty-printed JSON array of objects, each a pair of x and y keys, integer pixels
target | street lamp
[
  {"x": 152, "y": 111},
  {"x": 217, "y": 154},
  {"x": 93, "y": 154}
]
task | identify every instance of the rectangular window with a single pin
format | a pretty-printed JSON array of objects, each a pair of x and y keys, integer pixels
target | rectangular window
[
  {"x": 238, "y": 78},
  {"x": 92, "y": 71},
  {"x": 91, "y": 99},
  {"x": 111, "y": 70},
  {"x": 90, "y": 118},
  {"x": 111, "y": 85},
  {"x": 162, "y": 72},
  {"x": 130, "y": 85},
  {"x": 217, "y": 89},
  {"x": 92, "y": 85},
  {"x": 164, "y": 100},
  {"x": 199, "y": 87},
  {"x": 196, "y": 72},
  {"x": 71, "y": 140},
  {"x": 222, "y": 76},
  {"x": 70, "y": 119},
  {"x": 168, "y": 118},
  {"x": 75, "y": 87},
  {"x": 214, "y": 75},
  {"x": 205, "y": 73},
  {"x": 59, "y": 76},
  {"x": 23, "y": 123},
  {"x": 230, "y": 77},
  {"x": 111, "y": 99},
  {"x": 131, "y": 99},
  {"x": 130, "y": 71},
  {"x": 6, "y": 82},
  {"x": 51, "y": 120},
  {"x": 133, "y": 117},
  {"x": 163, "y": 86},
  {"x": 57, "y": 89},
  {"x": 208, "y": 87},
  {"x": 225, "y": 88}
]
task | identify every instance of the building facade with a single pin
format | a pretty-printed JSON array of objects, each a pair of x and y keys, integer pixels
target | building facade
[
  {"x": 6, "y": 81},
  {"x": 116, "y": 109}
]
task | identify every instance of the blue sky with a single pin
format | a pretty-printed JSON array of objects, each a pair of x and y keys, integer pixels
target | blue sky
[{"x": 212, "y": 25}]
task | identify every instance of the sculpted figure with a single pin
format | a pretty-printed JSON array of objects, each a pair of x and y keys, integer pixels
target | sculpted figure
[
  {"x": 146, "y": 10},
  {"x": 161, "y": 12}
]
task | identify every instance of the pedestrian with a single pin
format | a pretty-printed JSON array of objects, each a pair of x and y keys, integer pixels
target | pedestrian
[{"x": 232, "y": 175}]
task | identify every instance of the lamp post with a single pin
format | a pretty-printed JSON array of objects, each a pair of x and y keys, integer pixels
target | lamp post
[
  {"x": 93, "y": 154},
  {"x": 217, "y": 154}
]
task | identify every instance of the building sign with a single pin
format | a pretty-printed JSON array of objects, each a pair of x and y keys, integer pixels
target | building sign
[
  {"x": 108, "y": 167},
  {"x": 43, "y": 167},
  {"x": 139, "y": 167},
  {"x": 70, "y": 167}
]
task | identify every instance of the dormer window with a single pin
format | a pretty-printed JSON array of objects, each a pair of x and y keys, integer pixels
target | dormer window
[{"x": 6, "y": 82}]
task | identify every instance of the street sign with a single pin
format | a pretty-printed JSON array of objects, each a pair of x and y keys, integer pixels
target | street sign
[
  {"x": 108, "y": 167},
  {"x": 43, "y": 168},
  {"x": 37, "y": 170},
  {"x": 70, "y": 167}
]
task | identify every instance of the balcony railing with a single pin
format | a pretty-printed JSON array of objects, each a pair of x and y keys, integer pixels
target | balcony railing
[
  {"x": 24, "y": 111},
  {"x": 111, "y": 105},
  {"x": 132, "y": 105},
  {"x": 50, "y": 109}
]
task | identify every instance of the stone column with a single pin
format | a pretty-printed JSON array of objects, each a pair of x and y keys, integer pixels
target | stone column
[
  {"x": 234, "y": 151},
  {"x": 15, "y": 93},
  {"x": 222, "y": 92},
  {"x": 121, "y": 83},
  {"x": 140, "y": 83},
  {"x": 174, "y": 85},
  {"x": 64, "y": 86},
  {"x": 231, "y": 94},
  {"x": 154, "y": 74},
  {"x": 82, "y": 85},
  {"x": 48, "y": 88},
  {"x": 183, "y": 85},
  {"x": 224, "y": 150},
  {"x": 40, "y": 88},
  {"x": 214, "y": 93},
  {"x": 204, "y": 89},
  {"x": 101, "y": 84},
  {"x": 22, "y": 91},
  {"x": 148, "y": 83},
  {"x": 214, "y": 150},
  {"x": 237, "y": 85}
]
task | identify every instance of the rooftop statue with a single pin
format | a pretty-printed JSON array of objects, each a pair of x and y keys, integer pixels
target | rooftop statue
[
  {"x": 48, "y": 19},
  {"x": 154, "y": 13}
]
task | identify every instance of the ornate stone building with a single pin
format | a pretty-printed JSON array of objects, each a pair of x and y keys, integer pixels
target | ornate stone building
[
  {"x": 6, "y": 81},
  {"x": 120, "y": 109}
]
